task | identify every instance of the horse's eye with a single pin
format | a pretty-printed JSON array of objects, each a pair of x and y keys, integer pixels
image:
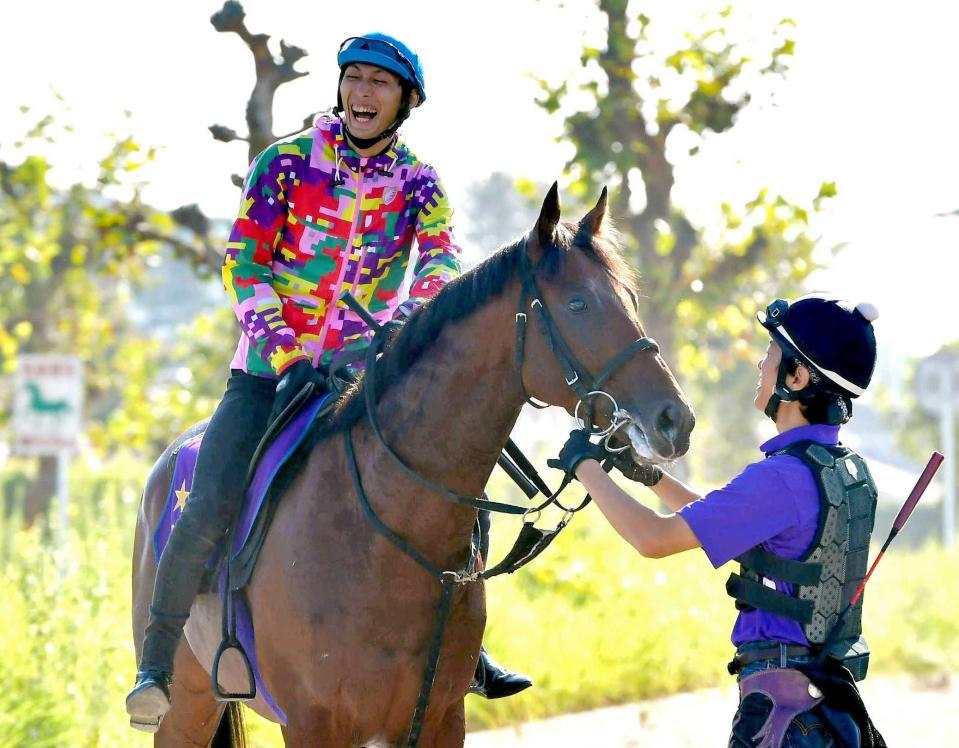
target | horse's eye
[{"x": 577, "y": 305}]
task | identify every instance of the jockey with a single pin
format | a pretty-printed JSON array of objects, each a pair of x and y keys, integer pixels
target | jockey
[
  {"x": 798, "y": 522},
  {"x": 336, "y": 207}
]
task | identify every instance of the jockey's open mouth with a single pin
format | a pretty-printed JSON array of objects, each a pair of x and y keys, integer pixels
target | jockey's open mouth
[{"x": 363, "y": 113}]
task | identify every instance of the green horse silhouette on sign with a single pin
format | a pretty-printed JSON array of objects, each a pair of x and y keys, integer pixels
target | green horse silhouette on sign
[{"x": 41, "y": 405}]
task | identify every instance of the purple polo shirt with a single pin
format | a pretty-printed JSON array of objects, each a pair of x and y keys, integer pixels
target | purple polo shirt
[{"x": 774, "y": 504}]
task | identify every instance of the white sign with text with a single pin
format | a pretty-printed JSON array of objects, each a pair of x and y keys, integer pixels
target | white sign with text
[{"x": 47, "y": 404}]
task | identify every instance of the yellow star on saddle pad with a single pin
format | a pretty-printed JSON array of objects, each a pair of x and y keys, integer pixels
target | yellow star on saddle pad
[{"x": 181, "y": 496}]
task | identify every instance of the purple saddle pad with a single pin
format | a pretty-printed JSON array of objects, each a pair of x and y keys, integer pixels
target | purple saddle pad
[{"x": 275, "y": 456}]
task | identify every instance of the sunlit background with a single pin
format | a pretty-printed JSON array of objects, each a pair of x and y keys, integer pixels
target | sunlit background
[{"x": 866, "y": 108}]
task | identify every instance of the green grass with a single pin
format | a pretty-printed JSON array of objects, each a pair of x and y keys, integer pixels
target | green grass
[
  {"x": 67, "y": 649},
  {"x": 592, "y": 622}
]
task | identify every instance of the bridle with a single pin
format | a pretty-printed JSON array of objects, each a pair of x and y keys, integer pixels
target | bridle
[
  {"x": 531, "y": 540},
  {"x": 577, "y": 376}
]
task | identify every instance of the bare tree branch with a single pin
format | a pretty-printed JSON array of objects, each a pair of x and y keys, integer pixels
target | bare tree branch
[{"x": 270, "y": 73}]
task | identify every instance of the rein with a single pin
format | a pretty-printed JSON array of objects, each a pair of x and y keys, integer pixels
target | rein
[{"x": 531, "y": 541}]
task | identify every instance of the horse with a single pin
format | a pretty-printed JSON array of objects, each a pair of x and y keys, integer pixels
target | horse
[{"x": 343, "y": 617}]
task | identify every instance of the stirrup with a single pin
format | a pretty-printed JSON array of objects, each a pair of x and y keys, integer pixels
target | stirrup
[{"x": 218, "y": 693}]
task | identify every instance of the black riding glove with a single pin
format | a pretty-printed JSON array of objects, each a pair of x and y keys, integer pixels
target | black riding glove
[
  {"x": 577, "y": 448},
  {"x": 648, "y": 475},
  {"x": 292, "y": 382}
]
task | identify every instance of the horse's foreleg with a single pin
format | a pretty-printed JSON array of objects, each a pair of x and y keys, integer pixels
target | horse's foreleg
[
  {"x": 194, "y": 714},
  {"x": 449, "y": 732}
]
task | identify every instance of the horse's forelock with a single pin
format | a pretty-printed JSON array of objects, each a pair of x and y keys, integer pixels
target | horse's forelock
[{"x": 604, "y": 247}]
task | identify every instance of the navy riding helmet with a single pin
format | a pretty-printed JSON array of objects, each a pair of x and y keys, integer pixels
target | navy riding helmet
[{"x": 834, "y": 339}]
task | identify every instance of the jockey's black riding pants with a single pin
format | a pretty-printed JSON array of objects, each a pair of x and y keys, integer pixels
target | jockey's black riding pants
[{"x": 215, "y": 499}]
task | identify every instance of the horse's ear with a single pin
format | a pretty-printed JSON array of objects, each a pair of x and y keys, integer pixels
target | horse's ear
[
  {"x": 548, "y": 217},
  {"x": 593, "y": 221}
]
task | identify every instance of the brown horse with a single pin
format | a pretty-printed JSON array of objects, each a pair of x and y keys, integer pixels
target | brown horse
[{"x": 343, "y": 618}]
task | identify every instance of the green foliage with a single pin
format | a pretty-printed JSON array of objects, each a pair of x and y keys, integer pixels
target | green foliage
[
  {"x": 648, "y": 96},
  {"x": 64, "y": 251},
  {"x": 68, "y": 654},
  {"x": 164, "y": 388},
  {"x": 595, "y": 624},
  {"x": 643, "y": 107},
  {"x": 70, "y": 259},
  {"x": 911, "y": 614}
]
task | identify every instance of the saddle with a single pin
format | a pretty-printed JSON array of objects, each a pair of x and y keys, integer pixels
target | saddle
[
  {"x": 259, "y": 504},
  {"x": 231, "y": 564}
]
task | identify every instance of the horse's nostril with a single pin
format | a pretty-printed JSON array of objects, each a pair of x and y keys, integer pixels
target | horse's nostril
[{"x": 667, "y": 422}]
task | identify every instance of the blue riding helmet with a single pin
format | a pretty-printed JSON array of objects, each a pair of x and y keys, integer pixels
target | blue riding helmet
[{"x": 386, "y": 52}]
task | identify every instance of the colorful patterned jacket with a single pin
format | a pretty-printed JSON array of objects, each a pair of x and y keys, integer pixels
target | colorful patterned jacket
[{"x": 316, "y": 219}]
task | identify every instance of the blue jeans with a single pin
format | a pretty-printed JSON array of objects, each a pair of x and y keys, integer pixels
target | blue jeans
[{"x": 812, "y": 729}]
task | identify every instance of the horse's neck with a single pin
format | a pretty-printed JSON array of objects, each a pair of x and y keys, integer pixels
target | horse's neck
[{"x": 454, "y": 409}]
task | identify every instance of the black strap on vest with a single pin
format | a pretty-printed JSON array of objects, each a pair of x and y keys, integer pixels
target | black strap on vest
[
  {"x": 787, "y": 570},
  {"x": 750, "y": 594}
]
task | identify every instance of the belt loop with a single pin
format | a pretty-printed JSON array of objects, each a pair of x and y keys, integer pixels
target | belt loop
[{"x": 782, "y": 654}]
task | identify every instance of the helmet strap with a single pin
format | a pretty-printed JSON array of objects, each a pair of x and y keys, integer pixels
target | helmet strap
[
  {"x": 772, "y": 407},
  {"x": 838, "y": 411},
  {"x": 781, "y": 393}
]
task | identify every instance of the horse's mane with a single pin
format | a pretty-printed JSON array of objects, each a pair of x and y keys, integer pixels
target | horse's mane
[{"x": 460, "y": 298}]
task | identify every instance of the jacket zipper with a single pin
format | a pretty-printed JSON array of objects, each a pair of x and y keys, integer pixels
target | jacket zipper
[{"x": 332, "y": 308}]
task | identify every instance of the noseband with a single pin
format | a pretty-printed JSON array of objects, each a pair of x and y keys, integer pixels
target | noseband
[{"x": 577, "y": 376}]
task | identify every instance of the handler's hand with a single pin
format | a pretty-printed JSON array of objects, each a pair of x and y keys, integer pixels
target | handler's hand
[
  {"x": 577, "y": 448},
  {"x": 648, "y": 475}
]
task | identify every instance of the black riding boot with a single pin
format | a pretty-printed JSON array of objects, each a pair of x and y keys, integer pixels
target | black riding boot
[
  {"x": 492, "y": 680},
  {"x": 215, "y": 498},
  {"x": 177, "y": 582}
]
